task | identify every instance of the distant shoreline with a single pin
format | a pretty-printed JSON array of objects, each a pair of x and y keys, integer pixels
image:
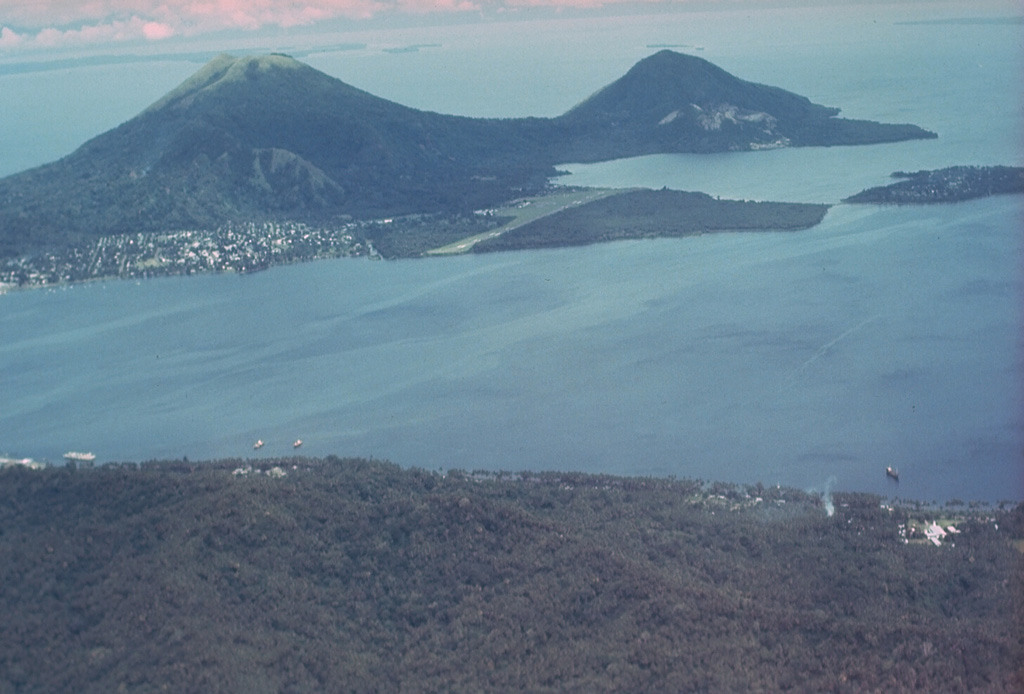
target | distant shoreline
[
  {"x": 710, "y": 493},
  {"x": 556, "y": 217}
]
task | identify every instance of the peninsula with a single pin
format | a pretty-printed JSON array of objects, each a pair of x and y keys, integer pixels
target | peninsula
[
  {"x": 952, "y": 184},
  {"x": 644, "y": 214},
  {"x": 273, "y": 146}
]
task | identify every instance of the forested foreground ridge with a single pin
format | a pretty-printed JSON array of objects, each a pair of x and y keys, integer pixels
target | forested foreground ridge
[
  {"x": 306, "y": 575},
  {"x": 269, "y": 140}
]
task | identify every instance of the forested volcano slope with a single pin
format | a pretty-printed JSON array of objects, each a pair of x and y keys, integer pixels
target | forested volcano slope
[
  {"x": 351, "y": 575},
  {"x": 268, "y": 138}
]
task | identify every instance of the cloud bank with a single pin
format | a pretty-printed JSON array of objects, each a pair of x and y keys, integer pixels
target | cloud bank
[{"x": 52, "y": 23}]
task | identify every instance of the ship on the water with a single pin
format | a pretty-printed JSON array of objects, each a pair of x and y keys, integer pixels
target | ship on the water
[
  {"x": 893, "y": 473},
  {"x": 76, "y": 457}
]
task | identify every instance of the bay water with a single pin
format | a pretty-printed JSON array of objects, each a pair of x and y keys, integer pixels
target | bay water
[{"x": 884, "y": 336}]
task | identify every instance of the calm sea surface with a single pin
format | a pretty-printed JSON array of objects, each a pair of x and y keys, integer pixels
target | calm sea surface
[{"x": 884, "y": 336}]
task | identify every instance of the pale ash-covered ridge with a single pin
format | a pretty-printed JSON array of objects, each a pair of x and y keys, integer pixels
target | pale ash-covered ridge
[
  {"x": 207, "y": 76},
  {"x": 223, "y": 68}
]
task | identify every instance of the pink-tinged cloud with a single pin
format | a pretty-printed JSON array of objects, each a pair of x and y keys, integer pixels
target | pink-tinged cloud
[
  {"x": 46, "y": 23},
  {"x": 428, "y": 6},
  {"x": 112, "y": 32},
  {"x": 154, "y": 31},
  {"x": 10, "y": 38},
  {"x": 574, "y": 4}
]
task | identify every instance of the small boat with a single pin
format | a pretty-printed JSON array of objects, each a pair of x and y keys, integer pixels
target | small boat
[
  {"x": 893, "y": 473},
  {"x": 298, "y": 442},
  {"x": 258, "y": 445}
]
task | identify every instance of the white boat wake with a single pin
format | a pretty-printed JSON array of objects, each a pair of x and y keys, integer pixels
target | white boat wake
[{"x": 824, "y": 349}]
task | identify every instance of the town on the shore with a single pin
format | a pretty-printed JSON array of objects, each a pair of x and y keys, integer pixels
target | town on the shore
[{"x": 233, "y": 248}]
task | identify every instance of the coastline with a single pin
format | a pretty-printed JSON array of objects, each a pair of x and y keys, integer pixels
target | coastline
[{"x": 249, "y": 248}]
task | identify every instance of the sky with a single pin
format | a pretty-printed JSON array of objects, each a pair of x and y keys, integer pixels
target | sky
[{"x": 46, "y": 24}]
